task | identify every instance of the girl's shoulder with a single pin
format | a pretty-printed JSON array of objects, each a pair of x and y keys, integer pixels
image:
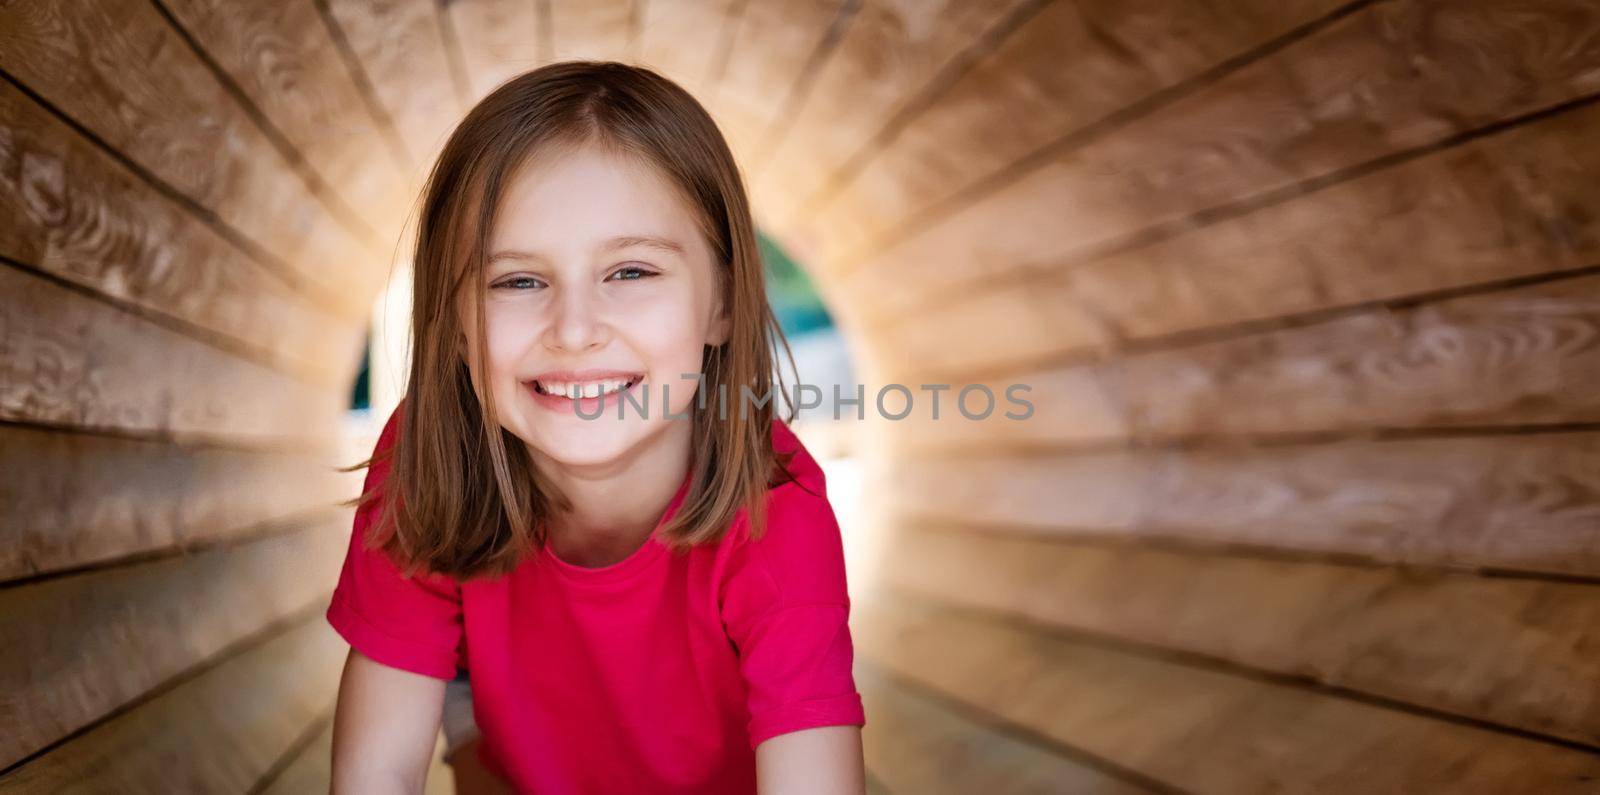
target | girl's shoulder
[
  {"x": 802, "y": 470},
  {"x": 799, "y": 557},
  {"x": 800, "y": 519}
]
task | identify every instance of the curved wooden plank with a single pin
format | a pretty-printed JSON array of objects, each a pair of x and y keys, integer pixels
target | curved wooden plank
[
  {"x": 1525, "y": 502},
  {"x": 1507, "y": 358},
  {"x": 1393, "y": 78},
  {"x": 70, "y": 210},
  {"x": 1507, "y": 651},
  {"x": 1070, "y": 66},
  {"x": 710, "y": 24},
  {"x": 1198, "y": 729},
  {"x": 124, "y": 73},
  {"x": 499, "y": 40},
  {"x": 597, "y": 30},
  {"x": 283, "y": 58},
  {"x": 72, "y": 360},
  {"x": 402, "y": 54},
  {"x": 93, "y": 642},
  {"x": 219, "y": 732},
  {"x": 914, "y": 744},
  {"x": 75, "y": 499},
  {"x": 1509, "y": 205},
  {"x": 890, "y": 56},
  {"x": 774, "y": 49}
]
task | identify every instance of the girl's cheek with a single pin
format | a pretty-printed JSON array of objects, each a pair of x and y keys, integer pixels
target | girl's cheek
[{"x": 509, "y": 339}]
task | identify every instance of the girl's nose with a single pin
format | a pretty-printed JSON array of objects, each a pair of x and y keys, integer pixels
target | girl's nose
[{"x": 578, "y": 324}]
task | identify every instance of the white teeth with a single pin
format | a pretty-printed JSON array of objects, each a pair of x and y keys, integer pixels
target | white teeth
[{"x": 593, "y": 389}]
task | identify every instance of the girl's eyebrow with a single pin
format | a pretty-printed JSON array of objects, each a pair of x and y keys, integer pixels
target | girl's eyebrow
[
  {"x": 647, "y": 241},
  {"x": 614, "y": 244}
]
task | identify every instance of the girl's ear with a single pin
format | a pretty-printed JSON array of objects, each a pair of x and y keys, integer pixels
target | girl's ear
[{"x": 721, "y": 329}]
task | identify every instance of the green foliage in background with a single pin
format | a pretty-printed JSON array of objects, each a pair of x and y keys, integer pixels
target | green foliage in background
[{"x": 794, "y": 300}]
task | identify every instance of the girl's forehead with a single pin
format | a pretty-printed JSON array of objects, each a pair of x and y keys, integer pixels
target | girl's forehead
[{"x": 589, "y": 196}]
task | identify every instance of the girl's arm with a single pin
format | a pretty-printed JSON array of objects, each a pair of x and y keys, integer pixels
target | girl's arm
[
  {"x": 826, "y": 759},
  {"x": 384, "y": 728}
]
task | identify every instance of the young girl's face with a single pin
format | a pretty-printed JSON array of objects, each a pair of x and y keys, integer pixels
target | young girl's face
[{"x": 598, "y": 277}]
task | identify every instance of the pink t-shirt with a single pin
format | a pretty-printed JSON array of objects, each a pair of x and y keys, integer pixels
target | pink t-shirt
[{"x": 660, "y": 673}]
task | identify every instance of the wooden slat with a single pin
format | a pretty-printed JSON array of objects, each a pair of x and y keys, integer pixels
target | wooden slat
[
  {"x": 499, "y": 40},
  {"x": 591, "y": 29},
  {"x": 285, "y": 60},
  {"x": 1506, "y": 358},
  {"x": 71, "y": 210},
  {"x": 670, "y": 23},
  {"x": 1071, "y": 65},
  {"x": 219, "y": 732},
  {"x": 1508, "y": 651},
  {"x": 1394, "y": 77},
  {"x": 1198, "y": 729},
  {"x": 89, "y": 643},
  {"x": 888, "y": 55},
  {"x": 71, "y": 360},
  {"x": 913, "y": 744},
  {"x": 1524, "y": 502},
  {"x": 1504, "y": 206},
  {"x": 124, "y": 73},
  {"x": 311, "y": 769},
  {"x": 402, "y": 54},
  {"x": 771, "y": 49},
  {"x": 70, "y": 500}
]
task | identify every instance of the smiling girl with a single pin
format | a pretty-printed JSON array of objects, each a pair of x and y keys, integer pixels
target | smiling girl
[{"x": 645, "y": 601}]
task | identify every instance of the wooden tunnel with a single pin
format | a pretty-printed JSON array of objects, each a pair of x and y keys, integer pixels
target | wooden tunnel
[{"x": 1307, "y": 293}]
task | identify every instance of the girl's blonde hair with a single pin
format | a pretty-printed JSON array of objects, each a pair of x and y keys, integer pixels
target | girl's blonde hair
[{"x": 467, "y": 499}]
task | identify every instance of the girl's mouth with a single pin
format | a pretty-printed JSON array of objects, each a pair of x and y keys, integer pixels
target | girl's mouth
[
  {"x": 591, "y": 389},
  {"x": 588, "y": 400}
]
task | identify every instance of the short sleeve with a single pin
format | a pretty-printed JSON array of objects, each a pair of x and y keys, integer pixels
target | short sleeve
[
  {"x": 786, "y": 608},
  {"x": 410, "y": 623}
]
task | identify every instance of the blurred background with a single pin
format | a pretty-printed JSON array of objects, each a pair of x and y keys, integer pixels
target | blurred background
[{"x": 1307, "y": 293}]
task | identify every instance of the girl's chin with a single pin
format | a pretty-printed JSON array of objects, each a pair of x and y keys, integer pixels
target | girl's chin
[{"x": 576, "y": 443}]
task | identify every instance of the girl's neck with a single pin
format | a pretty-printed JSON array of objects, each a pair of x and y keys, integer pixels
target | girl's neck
[{"x": 615, "y": 508}]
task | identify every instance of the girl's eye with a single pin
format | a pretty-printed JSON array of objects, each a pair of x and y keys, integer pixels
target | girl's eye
[
  {"x": 633, "y": 274},
  {"x": 515, "y": 283}
]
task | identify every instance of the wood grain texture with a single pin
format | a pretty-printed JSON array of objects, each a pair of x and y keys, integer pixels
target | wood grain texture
[
  {"x": 499, "y": 40},
  {"x": 592, "y": 29},
  {"x": 1510, "y": 205},
  {"x": 774, "y": 42},
  {"x": 1071, "y": 65},
  {"x": 914, "y": 744},
  {"x": 68, "y": 359},
  {"x": 219, "y": 732},
  {"x": 888, "y": 55},
  {"x": 285, "y": 60},
  {"x": 72, "y": 500},
  {"x": 1198, "y": 729},
  {"x": 1517, "y": 357},
  {"x": 68, "y": 209},
  {"x": 402, "y": 53},
  {"x": 1393, "y": 78},
  {"x": 96, "y": 641},
  {"x": 1508, "y": 651},
  {"x": 1523, "y": 502},
  {"x": 124, "y": 73},
  {"x": 687, "y": 40}
]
